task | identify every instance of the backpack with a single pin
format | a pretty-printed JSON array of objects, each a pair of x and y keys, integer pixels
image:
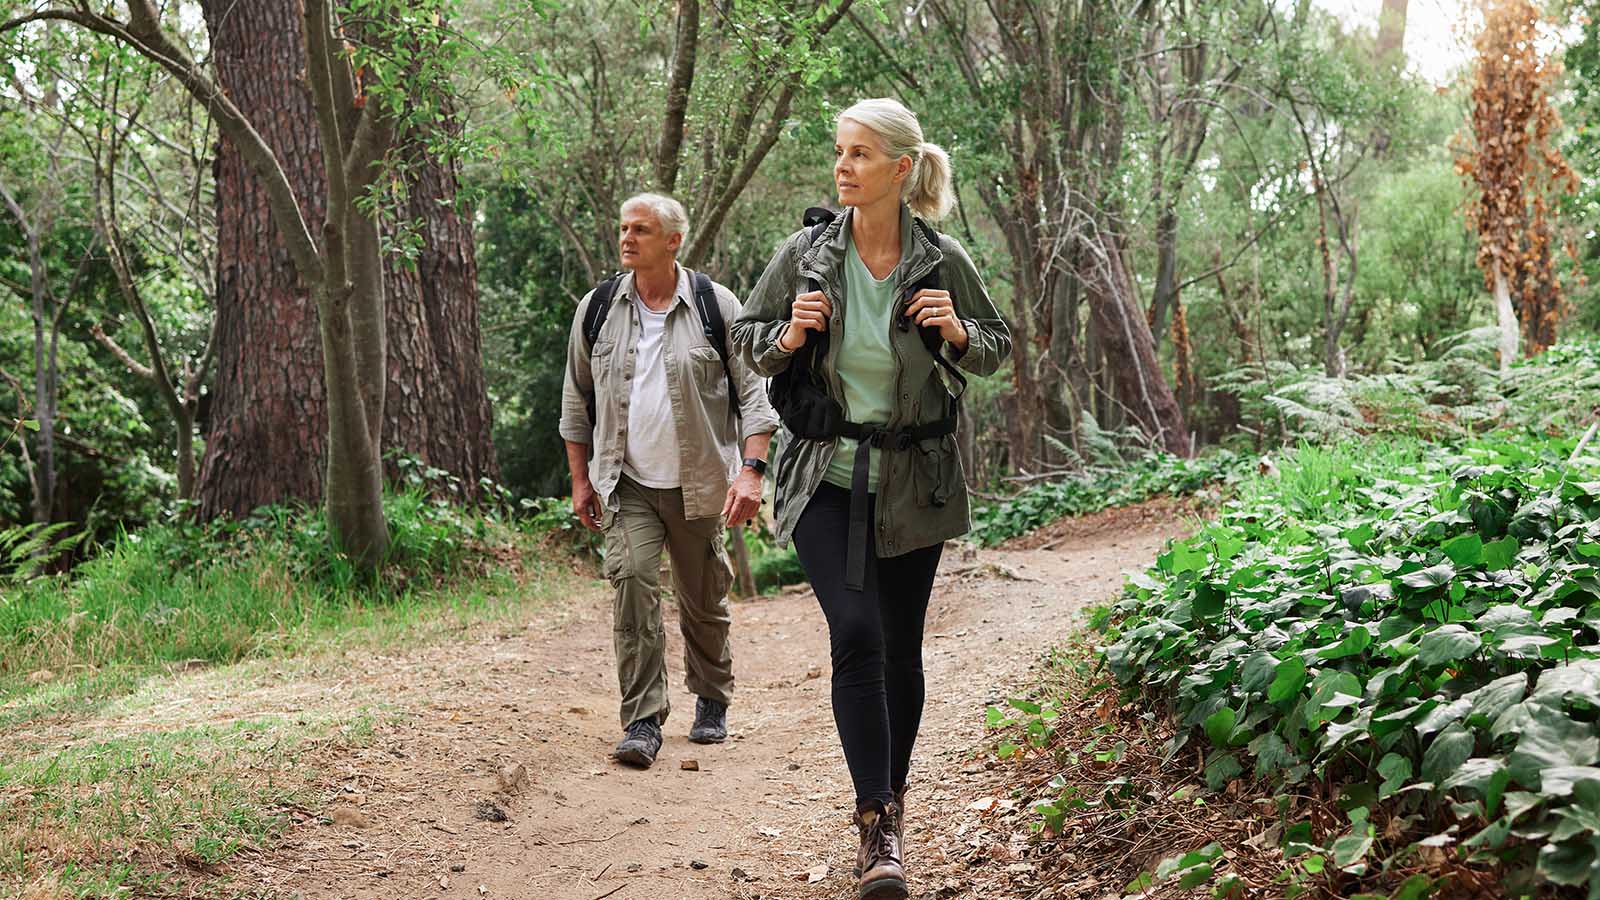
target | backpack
[
  {"x": 800, "y": 397},
  {"x": 705, "y": 303}
]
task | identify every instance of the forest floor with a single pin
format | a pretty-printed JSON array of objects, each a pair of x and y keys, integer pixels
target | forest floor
[
  {"x": 488, "y": 775},
  {"x": 474, "y": 762}
]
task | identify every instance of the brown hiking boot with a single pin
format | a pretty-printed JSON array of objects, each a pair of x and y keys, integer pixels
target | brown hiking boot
[{"x": 882, "y": 876}]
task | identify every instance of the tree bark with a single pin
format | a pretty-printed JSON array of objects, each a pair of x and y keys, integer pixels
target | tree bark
[
  {"x": 1124, "y": 335},
  {"x": 681, "y": 80},
  {"x": 1506, "y": 317},
  {"x": 269, "y": 426},
  {"x": 45, "y": 388}
]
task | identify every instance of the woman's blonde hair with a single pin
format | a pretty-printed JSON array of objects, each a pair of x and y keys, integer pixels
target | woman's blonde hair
[{"x": 928, "y": 190}]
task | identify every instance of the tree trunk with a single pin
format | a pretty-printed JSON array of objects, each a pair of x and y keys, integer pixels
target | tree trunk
[
  {"x": 1166, "y": 292},
  {"x": 1392, "y": 33},
  {"x": 269, "y": 422},
  {"x": 1124, "y": 334},
  {"x": 1506, "y": 318}
]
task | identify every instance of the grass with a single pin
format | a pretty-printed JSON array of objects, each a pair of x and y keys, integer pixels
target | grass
[{"x": 143, "y": 744}]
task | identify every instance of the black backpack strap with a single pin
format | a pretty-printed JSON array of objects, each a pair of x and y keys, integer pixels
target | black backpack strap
[
  {"x": 594, "y": 318},
  {"x": 931, "y": 338},
  {"x": 716, "y": 331}
]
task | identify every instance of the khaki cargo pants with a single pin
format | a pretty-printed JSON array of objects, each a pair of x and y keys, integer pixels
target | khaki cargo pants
[{"x": 646, "y": 520}]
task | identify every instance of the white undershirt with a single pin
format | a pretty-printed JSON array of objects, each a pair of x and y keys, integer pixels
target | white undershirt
[{"x": 651, "y": 457}]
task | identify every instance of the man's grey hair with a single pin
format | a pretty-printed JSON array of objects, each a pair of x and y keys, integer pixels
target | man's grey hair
[{"x": 669, "y": 212}]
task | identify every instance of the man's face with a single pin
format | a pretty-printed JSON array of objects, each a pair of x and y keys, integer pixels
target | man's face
[{"x": 642, "y": 242}]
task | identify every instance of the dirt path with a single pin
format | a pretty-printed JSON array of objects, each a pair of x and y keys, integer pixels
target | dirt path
[{"x": 772, "y": 803}]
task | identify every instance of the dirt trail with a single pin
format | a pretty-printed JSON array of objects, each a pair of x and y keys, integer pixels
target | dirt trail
[{"x": 771, "y": 803}]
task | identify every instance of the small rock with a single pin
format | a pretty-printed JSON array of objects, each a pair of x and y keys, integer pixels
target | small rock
[
  {"x": 813, "y": 672},
  {"x": 458, "y": 867},
  {"x": 698, "y": 864},
  {"x": 344, "y": 815},
  {"x": 739, "y": 874},
  {"x": 690, "y": 765},
  {"x": 579, "y": 710},
  {"x": 794, "y": 767},
  {"x": 489, "y": 811},
  {"x": 633, "y": 867},
  {"x": 512, "y": 779}
]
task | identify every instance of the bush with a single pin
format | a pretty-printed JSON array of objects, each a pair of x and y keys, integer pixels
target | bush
[{"x": 1418, "y": 624}]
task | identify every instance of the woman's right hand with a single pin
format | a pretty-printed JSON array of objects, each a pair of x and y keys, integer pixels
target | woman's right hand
[{"x": 810, "y": 312}]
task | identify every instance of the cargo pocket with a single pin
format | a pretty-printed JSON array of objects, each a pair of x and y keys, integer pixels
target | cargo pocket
[
  {"x": 936, "y": 472},
  {"x": 615, "y": 547}
]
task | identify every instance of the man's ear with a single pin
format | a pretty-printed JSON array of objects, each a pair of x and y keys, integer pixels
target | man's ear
[{"x": 675, "y": 242}]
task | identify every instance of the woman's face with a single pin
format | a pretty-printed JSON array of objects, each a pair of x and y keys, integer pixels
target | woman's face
[{"x": 863, "y": 171}]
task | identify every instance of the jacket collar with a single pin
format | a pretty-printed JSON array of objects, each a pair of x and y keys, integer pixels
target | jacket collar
[{"x": 826, "y": 255}]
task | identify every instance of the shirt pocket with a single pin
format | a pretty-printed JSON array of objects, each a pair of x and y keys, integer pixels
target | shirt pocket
[
  {"x": 706, "y": 367},
  {"x": 600, "y": 360}
]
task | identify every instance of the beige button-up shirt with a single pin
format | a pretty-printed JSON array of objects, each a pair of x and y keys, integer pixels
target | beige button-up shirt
[{"x": 710, "y": 438}]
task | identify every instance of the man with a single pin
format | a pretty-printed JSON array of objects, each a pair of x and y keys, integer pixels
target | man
[{"x": 651, "y": 413}]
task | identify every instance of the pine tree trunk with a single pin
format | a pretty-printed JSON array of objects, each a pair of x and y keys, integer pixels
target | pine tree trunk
[{"x": 269, "y": 420}]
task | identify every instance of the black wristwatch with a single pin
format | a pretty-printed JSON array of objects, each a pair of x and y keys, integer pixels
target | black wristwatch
[{"x": 760, "y": 465}]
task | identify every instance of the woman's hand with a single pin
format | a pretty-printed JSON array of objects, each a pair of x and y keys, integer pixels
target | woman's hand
[
  {"x": 810, "y": 312},
  {"x": 935, "y": 308}
]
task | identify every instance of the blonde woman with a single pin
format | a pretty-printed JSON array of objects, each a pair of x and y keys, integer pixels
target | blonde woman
[{"x": 864, "y": 323}]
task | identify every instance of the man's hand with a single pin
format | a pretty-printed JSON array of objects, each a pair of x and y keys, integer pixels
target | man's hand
[
  {"x": 586, "y": 503},
  {"x": 744, "y": 498}
]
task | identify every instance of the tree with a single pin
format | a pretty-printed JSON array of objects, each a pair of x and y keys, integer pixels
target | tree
[
  {"x": 1049, "y": 82},
  {"x": 268, "y": 407},
  {"x": 1520, "y": 175},
  {"x": 362, "y": 98}
]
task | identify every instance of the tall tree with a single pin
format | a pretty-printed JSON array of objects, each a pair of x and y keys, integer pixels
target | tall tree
[
  {"x": 1050, "y": 81},
  {"x": 1520, "y": 174},
  {"x": 363, "y": 96},
  {"x": 267, "y": 432}
]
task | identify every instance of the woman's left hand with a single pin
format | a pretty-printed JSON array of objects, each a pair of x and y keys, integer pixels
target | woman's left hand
[{"x": 935, "y": 308}]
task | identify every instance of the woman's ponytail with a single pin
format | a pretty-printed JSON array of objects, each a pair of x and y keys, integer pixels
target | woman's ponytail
[{"x": 929, "y": 191}]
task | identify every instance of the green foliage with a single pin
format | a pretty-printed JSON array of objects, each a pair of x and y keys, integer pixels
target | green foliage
[
  {"x": 1098, "y": 488},
  {"x": 1453, "y": 396},
  {"x": 235, "y": 590},
  {"x": 1418, "y": 624}
]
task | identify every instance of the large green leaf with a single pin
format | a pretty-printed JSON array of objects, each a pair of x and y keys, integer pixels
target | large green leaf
[
  {"x": 1551, "y": 739},
  {"x": 1431, "y": 577},
  {"x": 1354, "y": 642},
  {"x": 1451, "y": 748},
  {"x": 1290, "y": 678},
  {"x": 1465, "y": 551},
  {"x": 1447, "y": 643}
]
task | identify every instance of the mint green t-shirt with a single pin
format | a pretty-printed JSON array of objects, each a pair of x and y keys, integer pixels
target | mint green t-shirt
[{"x": 866, "y": 362}]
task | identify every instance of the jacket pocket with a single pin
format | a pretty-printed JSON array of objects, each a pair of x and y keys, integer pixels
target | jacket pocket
[{"x": 936, "y": 472}]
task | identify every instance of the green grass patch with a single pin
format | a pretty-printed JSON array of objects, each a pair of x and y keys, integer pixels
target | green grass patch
[{"x": 146, "y": 812}]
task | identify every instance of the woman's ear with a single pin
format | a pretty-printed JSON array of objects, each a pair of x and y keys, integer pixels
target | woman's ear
[{"x": 902, "y": 169}]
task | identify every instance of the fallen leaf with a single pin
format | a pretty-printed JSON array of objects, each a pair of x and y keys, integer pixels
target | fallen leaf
[
  {"x": 769, "y": 832},
  {"x": 983, "y": 804},
  {"x": 444, "y": 882},
  {"x": 344, "y": 815},
  {"x": 814, "y": 874},
  {"x": 690, "y": 765}
]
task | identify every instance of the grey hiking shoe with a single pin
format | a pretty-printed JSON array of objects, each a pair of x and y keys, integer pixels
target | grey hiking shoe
[
  {"x": 710, "y": 722},
  {"x": 641, "y": 744}
]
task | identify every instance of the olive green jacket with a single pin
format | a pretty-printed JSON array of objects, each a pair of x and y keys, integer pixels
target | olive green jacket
[{"x": 922, "y": 493}]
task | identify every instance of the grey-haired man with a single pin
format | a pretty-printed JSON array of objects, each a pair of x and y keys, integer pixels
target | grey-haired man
[{"x": 653, "y": 413}]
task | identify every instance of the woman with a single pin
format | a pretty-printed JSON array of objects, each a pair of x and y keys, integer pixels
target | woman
[{"x": 869, "y": 504}]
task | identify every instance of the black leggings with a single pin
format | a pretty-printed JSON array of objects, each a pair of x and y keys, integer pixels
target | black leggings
[{"x": 875, "y": 635}]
